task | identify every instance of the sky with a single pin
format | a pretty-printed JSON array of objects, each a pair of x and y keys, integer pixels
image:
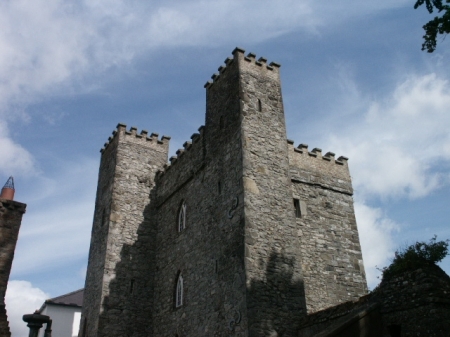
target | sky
[{"x": 354, "y": 80}]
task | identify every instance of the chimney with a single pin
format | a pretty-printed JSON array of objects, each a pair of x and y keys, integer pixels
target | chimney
[{"x": 8, "y": 190}]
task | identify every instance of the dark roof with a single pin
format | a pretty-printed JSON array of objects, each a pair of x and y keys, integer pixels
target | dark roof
[{"x": 75, "y": 299}]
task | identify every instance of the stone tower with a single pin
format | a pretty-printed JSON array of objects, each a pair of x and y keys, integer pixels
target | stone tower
[
  {"x": 122, "y": 213},
  {"x": 11, "y": 213},
  {"x": 239, "y": 260},
  {"x": 240, "y": 235}
]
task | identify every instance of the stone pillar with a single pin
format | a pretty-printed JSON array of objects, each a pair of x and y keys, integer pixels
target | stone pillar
[
  {"x": 35, "y": 322},
  {"x": 10, "y": 219}
]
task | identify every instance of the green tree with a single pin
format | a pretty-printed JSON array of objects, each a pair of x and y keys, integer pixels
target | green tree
[
  {"x": 439, "y": 25},
  {"x": 416, "y": 256}
]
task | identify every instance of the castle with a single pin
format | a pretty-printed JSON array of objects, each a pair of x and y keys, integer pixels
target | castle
[{"x": 242, "y": 234}]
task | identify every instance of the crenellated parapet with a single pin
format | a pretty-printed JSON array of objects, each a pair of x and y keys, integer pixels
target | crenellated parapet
[
  {"x": 143, "y": 138},
  {"x": 317, "y": 153},
  {"x": 245, "y": 62},
  {"x": 190, "y": 148},
  {"x": 313, "y": 167},
  {"x": 229, "y": 61},
  {"x": 182, "y": 167}
]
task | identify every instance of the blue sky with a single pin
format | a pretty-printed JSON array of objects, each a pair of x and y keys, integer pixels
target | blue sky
[{"x": 354, "y": 82}]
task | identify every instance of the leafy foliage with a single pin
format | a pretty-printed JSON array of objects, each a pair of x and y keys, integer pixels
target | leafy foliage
[
  {"x": 416, "y": 256},
  {"x": 439, "y": 25}
]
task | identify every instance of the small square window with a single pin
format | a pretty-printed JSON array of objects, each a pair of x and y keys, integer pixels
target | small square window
[{"x": 395, "y": 330}]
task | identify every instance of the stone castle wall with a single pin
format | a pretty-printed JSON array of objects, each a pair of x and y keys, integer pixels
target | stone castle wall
[
  {"x": 11, "y": 213},
  {"x": 250, "y": 267}
]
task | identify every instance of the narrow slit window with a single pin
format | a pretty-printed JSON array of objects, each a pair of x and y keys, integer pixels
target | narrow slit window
[
  {"x": 103, "y": 217},
  {"x": 221, "y": 124},
  {"x": 298, "y": 212},
  {"x": 219, "y": 187},
  {"x": 179, "y": 292},
  {"x": 182, "y": 217},
  {"x": 259, "y": 105},
  {"x": 132, "y": 286}
]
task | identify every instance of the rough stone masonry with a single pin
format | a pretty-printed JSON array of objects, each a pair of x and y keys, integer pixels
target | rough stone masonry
[
  {"x": 11, "y": 213},
  {"x": 241, "y": 234}
]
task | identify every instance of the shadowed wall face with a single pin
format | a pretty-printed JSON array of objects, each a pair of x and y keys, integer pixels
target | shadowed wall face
[
  {"x": 209, "y": 252},
  {"x": 10, "y": 219}
]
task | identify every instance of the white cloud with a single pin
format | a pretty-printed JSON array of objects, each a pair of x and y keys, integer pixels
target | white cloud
[
  {"x": 398, "y": 148},
  {"x": 22, "y": 298},
  {"x": 225, "y": 21},
  {"x": 14, "y": 158},
  {"x": 49, "y": 47},
  {"x": 375, "y": 230}
]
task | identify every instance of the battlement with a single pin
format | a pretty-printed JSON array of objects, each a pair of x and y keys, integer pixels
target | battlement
[
  {"x": 312, "y": 167},
  {"x": 181, "y": 168},
  {"x": 238, "y": 54},
  {"x": 141, "y": 138},
  {"x": 189, "y": 149},
  {"x": 317, "y": 153},
  {"x": 261, "y": 62}
]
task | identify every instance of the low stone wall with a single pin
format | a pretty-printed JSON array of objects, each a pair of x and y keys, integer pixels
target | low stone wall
[{"x": 415, "y": 303}]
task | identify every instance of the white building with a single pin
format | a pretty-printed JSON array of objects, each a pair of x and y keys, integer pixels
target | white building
[{"x": 65, "y": 312}]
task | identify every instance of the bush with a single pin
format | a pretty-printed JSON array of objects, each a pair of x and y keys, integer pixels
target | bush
[{"x": 416, "y": 256}]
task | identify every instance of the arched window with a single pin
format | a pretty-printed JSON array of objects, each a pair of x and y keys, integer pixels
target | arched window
[
  {"x": 182, "y": 217},
  {"x": 179, "y": 292}
]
